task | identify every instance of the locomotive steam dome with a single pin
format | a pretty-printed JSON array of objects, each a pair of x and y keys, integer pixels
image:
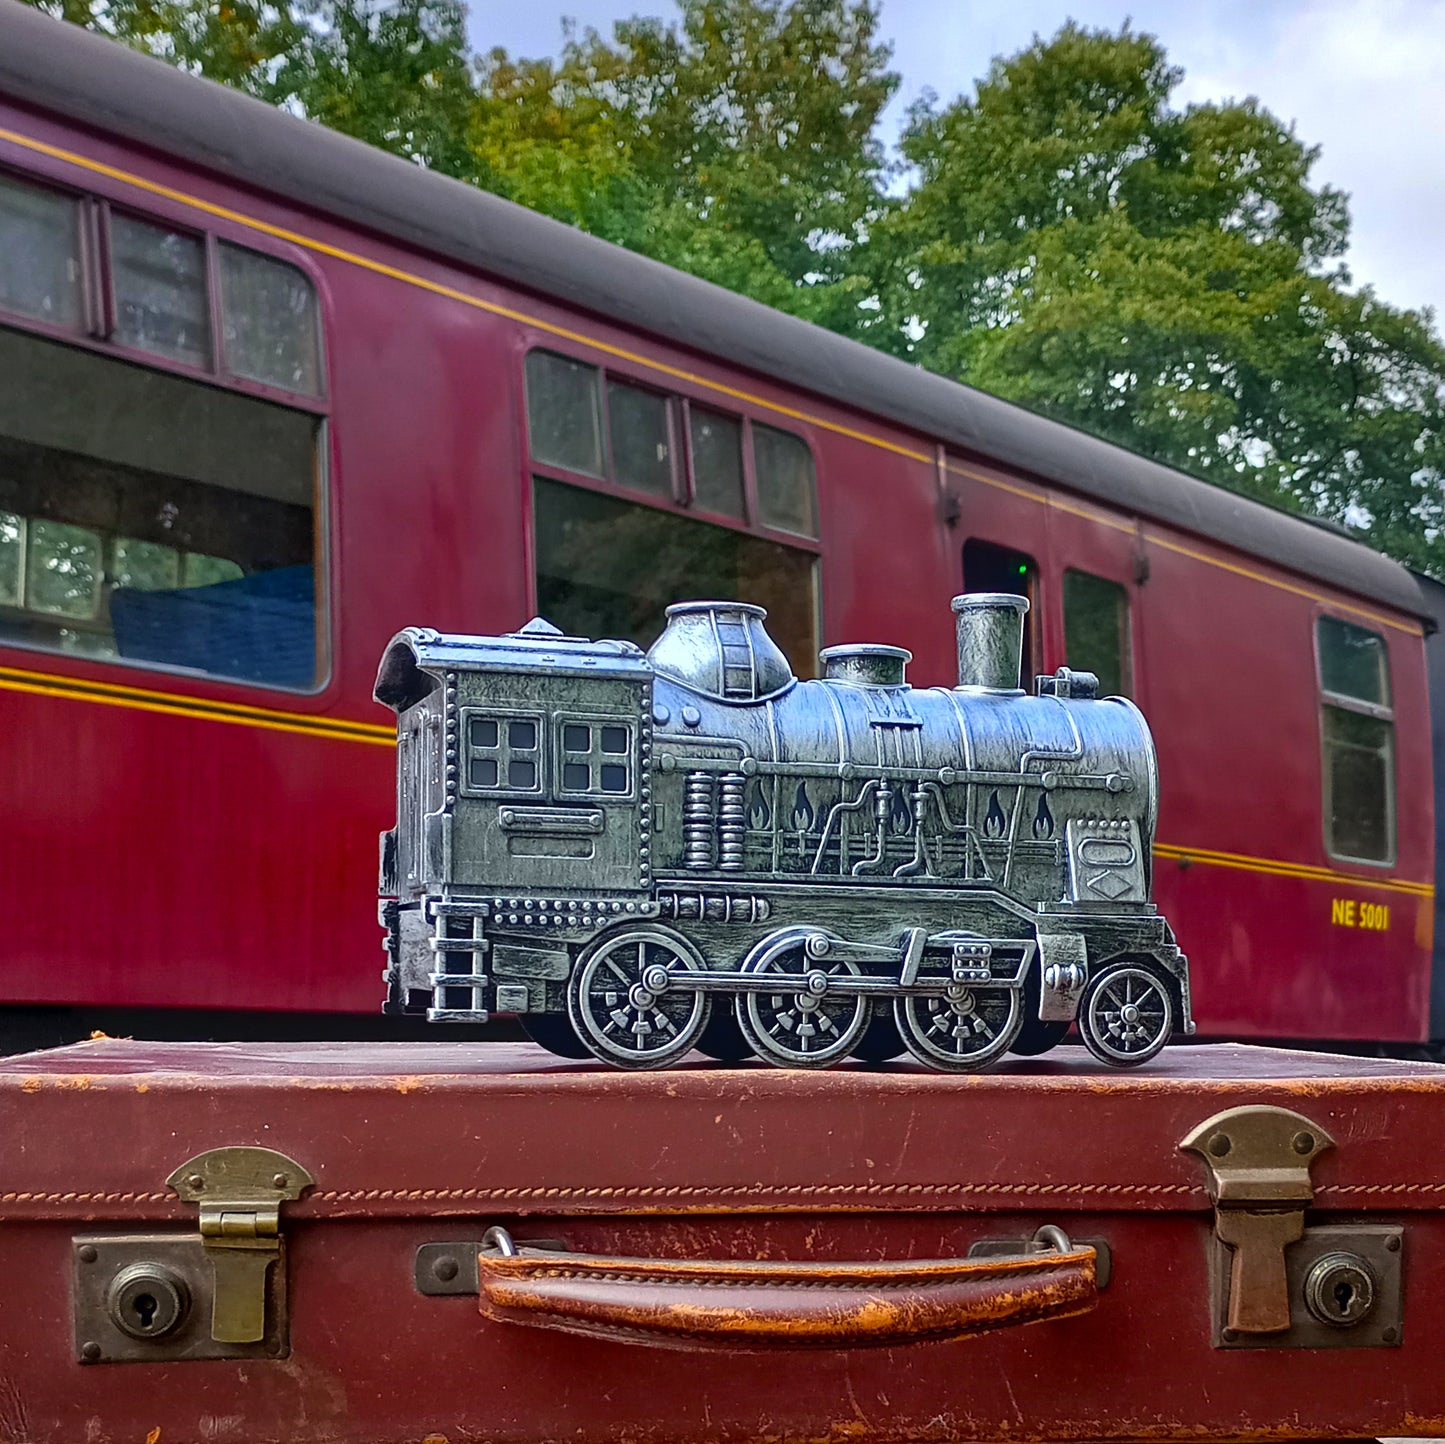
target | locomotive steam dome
[{"x": 720, "y": 650}]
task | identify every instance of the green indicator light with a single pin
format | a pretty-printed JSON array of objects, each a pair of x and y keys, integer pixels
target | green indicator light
[{"x": 1023, "y": 570}]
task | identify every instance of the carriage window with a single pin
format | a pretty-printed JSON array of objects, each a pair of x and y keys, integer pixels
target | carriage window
[
  {"x": 1096, "y": 631},
  {"x": 148, "y": 517},
  {"x": 161, "y": 304},
  {"x": 40, "y": 272},
  {"x": 787, "y": 486},
  {"x": 717, "y": 461},
  {"x": 270, "y": 329},
  {"x": 609, "y": 568},
  {"x": 1358, "y": 733},
  {"x": 641, "y": 435},
  {"x": 990, "y": 568},
  {"x": 504, "y": 753},
  {"x": 563, "y": 420},
  {"x": 596, "y": 757}
]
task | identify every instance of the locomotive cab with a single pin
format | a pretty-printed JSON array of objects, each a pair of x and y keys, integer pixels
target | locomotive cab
[{"x": 521, "y": 792}]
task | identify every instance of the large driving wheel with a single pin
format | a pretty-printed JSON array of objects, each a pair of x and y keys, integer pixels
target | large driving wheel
[
  {"x": 1126, "y": 1016},
  {"x": 624, "y": 1004},
  {"x": 723, "y": 1039},
  {"x": 965, "y": 1028},
  {"x": 555, "y": 1033},
  {"x": 1035, "y": 1036},
  {"x": 807, "y": 1026},
  {"x": 880, "y": 1040}
]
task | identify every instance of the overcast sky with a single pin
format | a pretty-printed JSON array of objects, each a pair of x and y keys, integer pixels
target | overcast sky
[{"x": 1361, "y": 79}]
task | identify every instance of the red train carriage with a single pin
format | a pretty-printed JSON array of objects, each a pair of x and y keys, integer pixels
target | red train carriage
[{"x": 266, "y": 396}]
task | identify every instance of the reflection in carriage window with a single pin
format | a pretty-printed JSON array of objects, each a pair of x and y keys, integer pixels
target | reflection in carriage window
[
  {"x": 40, "y": 271},
  {"x": 640, "y": 427},
  {"x": 1096, "y": 631},
  {"x": 610, "y": 568},
  {"x": 161, "y": 305},
  {"x": 270, "y": 321},
  {"x": 564, "y": 422},
  {"x": 596, "y": 758},
  {"x": 148, "y": 517},
  {"x": 717, "y": 461},
  {"x": 787, "y": 484}
]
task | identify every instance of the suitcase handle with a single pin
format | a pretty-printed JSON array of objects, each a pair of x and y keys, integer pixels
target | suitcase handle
[{"x": 715, "y": 1304}]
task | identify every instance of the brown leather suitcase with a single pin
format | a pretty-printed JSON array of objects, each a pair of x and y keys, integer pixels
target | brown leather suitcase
[{"x": 373, "y": 1243}]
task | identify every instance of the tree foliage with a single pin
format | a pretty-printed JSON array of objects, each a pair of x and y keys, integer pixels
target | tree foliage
[
  {"x": 1169, "y": 279},
  {"x": 740, "y": 143},
  {"x": 1064, "y": 235}
]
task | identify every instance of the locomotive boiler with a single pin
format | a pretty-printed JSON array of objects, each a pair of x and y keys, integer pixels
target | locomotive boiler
[{"x": 639, "y": 854}]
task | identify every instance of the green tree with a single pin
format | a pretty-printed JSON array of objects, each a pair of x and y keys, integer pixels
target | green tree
[
  {"x": 1167, "y": 279},
  {"x": 394, "y": 73},
  {"x": 739, "y": 143},
  {"x": 236, "y": 43}
]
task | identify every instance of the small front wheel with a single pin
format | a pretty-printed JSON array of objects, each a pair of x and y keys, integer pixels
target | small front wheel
[{"x": 1126, "y": 1016}]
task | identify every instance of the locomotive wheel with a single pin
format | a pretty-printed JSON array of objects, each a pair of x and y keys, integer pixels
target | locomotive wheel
[
  {"x": 1126, "y": 1016},
  {"x": 1035, "y": 1036},
  {"x": 621, "y": 1005},
  {"x": 807, "y": 1029},
  {"x": 965, "y": 1028},
  {"x": 881, "y": 1040},
  {"x": 723, "y": 1039},
  {"x": 554, "y": 1033}
]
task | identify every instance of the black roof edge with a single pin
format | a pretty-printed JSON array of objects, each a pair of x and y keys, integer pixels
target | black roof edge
[{"x": 97, "y": 82}]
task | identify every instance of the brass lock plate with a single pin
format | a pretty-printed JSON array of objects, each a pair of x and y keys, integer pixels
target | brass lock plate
[
  {"x": 148, "y": 1298},
  {"x": 1344, "y": 1285}
]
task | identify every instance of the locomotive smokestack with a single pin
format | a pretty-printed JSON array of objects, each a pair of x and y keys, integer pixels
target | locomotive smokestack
[{"x": 990, "y": 640}]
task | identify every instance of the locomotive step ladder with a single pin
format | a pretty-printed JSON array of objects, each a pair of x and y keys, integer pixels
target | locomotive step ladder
[{"x": 459, "y": 991}]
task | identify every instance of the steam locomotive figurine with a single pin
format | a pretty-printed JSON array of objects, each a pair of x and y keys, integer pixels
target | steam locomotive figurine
[{"x": 640, "y": 854}]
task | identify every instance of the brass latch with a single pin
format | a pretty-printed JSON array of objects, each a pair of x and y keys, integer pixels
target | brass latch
[
  {"x": 240, "y": 1192},
  {"x": 1259, "y": 1178}
]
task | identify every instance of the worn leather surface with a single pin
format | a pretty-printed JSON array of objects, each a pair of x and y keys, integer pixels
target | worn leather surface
[
  {"x": 768, "y": 1304},
  {"x": 448, "y": 1129},
  {"x": 415, "y": 1144}
]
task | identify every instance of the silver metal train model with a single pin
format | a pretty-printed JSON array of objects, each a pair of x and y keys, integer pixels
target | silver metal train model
[{"x": 640, "y": 854}]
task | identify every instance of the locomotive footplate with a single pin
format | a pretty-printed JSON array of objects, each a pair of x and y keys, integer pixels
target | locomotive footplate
[{"x": 920, "y": 963}]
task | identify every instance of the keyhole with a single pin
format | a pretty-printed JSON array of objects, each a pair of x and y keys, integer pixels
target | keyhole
[
  {"x": 145, "y": 1307},
  {"x": 1344, "y": 1296}
]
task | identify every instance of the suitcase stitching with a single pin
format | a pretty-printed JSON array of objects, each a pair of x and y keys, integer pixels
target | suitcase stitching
[{"x": 425, "y": 1195}]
